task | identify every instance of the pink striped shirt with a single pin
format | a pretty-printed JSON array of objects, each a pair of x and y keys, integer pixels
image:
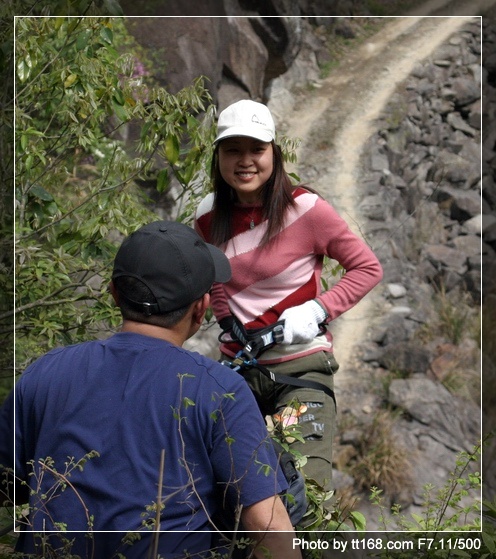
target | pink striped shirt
[{"x": 287, "y": 272}]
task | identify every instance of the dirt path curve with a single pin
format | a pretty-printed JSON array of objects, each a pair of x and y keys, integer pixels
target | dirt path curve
[{"x": 335, "y": 121}]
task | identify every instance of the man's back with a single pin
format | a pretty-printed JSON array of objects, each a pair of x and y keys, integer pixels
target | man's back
[{"x": 127, "y": 399}]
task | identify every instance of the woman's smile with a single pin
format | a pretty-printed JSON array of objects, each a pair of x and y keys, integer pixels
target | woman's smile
[{"x": 246, "y": 164}]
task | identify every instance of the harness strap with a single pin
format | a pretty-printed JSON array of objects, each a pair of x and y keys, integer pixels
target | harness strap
[
  {"x": 295, "y": 381},
  {"x": 240, "y": 362},
  {"x": 256, "y": 340}
]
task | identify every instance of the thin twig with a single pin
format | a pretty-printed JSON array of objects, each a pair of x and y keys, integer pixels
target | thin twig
[
  {"x": 156, "y": 532},
  {"x": 56, "y": 474},
  {"x": 234, "y": 540}
]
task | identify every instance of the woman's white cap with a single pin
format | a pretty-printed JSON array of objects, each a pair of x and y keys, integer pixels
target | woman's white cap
[{"x": 246, "y": 118}]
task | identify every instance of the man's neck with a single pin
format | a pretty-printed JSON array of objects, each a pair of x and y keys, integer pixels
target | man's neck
[{"x": 173, "y": 336}]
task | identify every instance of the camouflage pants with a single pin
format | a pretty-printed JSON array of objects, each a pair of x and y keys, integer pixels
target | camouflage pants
[{"x": 315, "y": 410}]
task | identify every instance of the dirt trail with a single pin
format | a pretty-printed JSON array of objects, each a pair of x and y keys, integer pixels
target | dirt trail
[{"x": 335, "y": 122}]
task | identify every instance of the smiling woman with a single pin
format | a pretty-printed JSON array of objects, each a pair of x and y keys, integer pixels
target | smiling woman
[{"x": 276, "y": 236}]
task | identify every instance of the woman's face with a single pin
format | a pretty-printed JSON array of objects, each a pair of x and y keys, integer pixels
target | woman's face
[{"x": 246, "y": 164}]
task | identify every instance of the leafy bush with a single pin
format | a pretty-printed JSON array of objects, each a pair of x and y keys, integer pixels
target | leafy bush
[{"x": 76, "y": 187}]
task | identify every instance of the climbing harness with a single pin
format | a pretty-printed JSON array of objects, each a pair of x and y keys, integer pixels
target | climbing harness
[{"x": 257, "y": 340}]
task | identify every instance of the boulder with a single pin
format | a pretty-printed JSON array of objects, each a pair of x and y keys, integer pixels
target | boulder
[
  {"x": 443, "y": 257},
  {"x": 465, "y": 90},
  {"x": 405, "y": 357},
  {"x": 451, "y": 421},
  {"x": 238, "y": 55},
  {"x": 452, "y": 168}
]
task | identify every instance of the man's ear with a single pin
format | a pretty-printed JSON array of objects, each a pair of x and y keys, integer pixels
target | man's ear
[
  {"x": 200, "y": 308},
  {"x": 114, "y": 292}
]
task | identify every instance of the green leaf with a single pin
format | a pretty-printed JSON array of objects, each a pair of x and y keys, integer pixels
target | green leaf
[
  {"x": 358, "y": 520},
  {"x": 83, "y": 39},
  {"x": 73, "y": 23},
  {"x": 22, "y": 70},
  {"x": 112, "y": 7},
  {"x": 120, "y": 112},
  {"x": 172, "y": 149},
  {"x": 107, "y": 35},
  {"x": 39, "y": 192},
  {"x": 34, "y": 132},
  {"x": 460, "y": 553},
  {"x": 59, "y": 21},
  {"x": 70, "y": 80},
  {"x": 145, "y": 130},
  {"x": 119, "y": 97},
  {"x": 29, "y": 62},
  {"x": 188, "y": 174},
  {"x": 419, "y": 519},
  {"x": 187, "y": 402},
  {"x": 29, "y": 162},
  {"x": 489, "y": 542},
  {"x": 162, "y": 181}
]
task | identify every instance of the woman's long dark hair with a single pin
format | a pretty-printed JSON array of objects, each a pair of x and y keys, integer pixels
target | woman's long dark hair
[{"x": 277, "y": 197}]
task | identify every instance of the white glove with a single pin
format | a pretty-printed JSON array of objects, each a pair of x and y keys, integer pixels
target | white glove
[{"x": 302, "y": 322}]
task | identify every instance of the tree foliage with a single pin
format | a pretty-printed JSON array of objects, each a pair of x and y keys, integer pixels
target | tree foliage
[{"x": 79, "y": 96}]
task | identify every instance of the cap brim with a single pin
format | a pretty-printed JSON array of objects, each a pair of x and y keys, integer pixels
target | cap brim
[
  {"x": 241, "y": 131},
  {"x": 221, "y": 263}
]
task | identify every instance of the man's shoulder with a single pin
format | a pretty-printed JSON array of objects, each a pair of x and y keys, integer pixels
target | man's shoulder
[
  {"x": 56, "y": 357},
  {"x": 63, "y": 351}
]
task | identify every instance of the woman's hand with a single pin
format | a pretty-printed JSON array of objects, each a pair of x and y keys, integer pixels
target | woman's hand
[{"x": 301, "y": 323}]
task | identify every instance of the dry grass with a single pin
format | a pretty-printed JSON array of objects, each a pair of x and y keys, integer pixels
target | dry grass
[{"x": 381, "y": 462}]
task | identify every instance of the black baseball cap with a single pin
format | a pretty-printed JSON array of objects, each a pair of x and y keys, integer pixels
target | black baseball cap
[{"x": 173, "y": 261}]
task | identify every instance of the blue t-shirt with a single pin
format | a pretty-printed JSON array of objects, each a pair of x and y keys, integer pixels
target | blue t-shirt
[{"x": 127, "y": 398}]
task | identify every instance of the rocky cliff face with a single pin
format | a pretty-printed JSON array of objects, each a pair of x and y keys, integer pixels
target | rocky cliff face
[
  {"x": 240, "y": 54},
  {"x": 422, "y": 212},
  {"x": 422, "y": 200}
]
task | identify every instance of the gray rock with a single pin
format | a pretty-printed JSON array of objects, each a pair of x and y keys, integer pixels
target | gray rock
[
  {"x": 466, "y": 90},
  {"x": 396, "y": 290},
  {"x": 458, "y": 123},
  {"x": 452, "y": 168},
  {"x": 442, "y": 257},
  {"x": 467, "y": 244},
  {"x": 479, "y": 224},
  {"x": 405, "y": 357},
  {"x": 373, "y": 207},
  {"x": 432, "y": 404},
  {"x": 466, "y": 204}
]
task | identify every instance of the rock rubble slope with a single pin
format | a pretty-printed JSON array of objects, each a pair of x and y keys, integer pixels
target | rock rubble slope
[{"x": 393, "y": 140}]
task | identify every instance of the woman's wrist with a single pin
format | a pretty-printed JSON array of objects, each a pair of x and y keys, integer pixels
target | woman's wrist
[{"x": 325, "y": 315}]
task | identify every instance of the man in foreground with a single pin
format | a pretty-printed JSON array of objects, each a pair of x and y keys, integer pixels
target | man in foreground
[{"x": 134, "y": 434}]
